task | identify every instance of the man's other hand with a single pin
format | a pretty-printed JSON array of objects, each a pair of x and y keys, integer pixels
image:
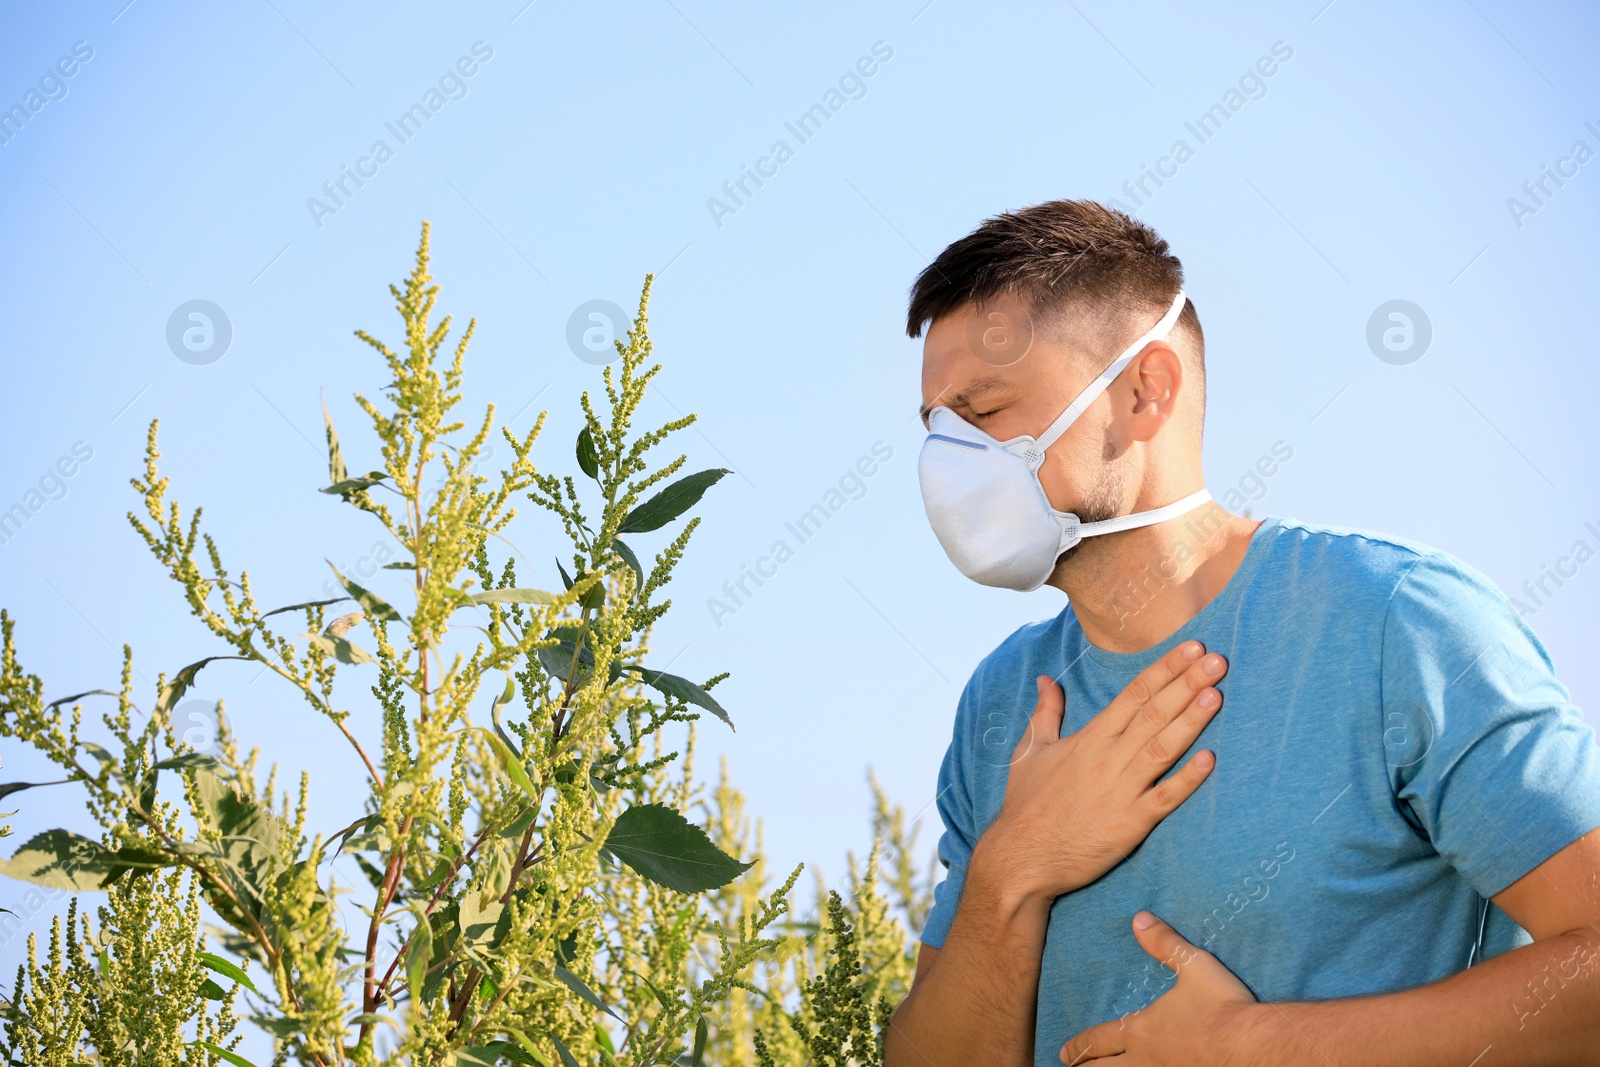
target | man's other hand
[{"x": 1192, "y": 1024}]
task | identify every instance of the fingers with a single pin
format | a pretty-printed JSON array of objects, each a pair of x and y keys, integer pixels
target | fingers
[
  {"x": 1097, "y": 1042},
  {"x": 1163, "y": 798},
  {"x": 1200, "y": 974},
  {"x": 1174, "y": 740},
  {"x": 1165, "y": 944},
  {"x": 1044, "y": 725},
  {"x": 1188, "y": 690},
  {"x": 1150, "y": 681}
]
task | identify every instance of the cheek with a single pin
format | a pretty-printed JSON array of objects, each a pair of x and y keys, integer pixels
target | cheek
[
  {"x": 1063, "y": 480},
  {"x": 1082, "y": 474}
]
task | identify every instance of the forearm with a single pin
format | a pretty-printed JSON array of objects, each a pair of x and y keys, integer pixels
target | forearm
[
  {"x": 976, "y": 1003},
  {"x": 1535, "y": 1005}
]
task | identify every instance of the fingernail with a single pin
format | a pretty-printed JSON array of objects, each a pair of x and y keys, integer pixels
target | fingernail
[
  {"x": 1143, "y": 920},
  {"x": 1214, "y": 665},
  {"x": 1191, "y": 650}
]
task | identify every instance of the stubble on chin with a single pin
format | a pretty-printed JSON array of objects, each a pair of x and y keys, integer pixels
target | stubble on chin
[{"x": 1102, "y": 501}]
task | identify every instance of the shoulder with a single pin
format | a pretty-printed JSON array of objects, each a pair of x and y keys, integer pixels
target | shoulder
[
  {"x": 1372, "y": 551},
  {"x": 1433, "y": 606},
  {"x": 1349, "y": 560},
  {"x": 1004, "y": 677},
  {"x": 1030, "y": 643}
]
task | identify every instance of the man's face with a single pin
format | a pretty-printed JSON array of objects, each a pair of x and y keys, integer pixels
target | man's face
[{"x": 1001, "y": 373}]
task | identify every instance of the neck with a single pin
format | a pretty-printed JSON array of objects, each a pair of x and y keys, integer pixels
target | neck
[{"x": 1132, "y": 590}]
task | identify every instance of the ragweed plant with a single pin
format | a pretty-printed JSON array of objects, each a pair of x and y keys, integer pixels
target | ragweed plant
[
  {"x": 534, "y": 892},
  {"x": 135, "y": 989},
  {"x": 816, "y": 1001},
  {"x": 827, "y": 996}
]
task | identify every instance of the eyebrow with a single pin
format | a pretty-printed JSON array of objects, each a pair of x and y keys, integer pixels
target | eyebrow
[{"x": 970, "y": 392}]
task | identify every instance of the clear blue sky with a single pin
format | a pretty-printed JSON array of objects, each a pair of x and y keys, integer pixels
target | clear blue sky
[{"x": 1375, "y": 163}]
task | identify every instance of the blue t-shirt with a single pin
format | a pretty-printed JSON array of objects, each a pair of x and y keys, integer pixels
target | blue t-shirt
[{"x": 1393, "y": 749}]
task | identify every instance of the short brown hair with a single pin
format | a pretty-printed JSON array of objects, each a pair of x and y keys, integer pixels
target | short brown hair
[{"x": 1067, "y": 258}]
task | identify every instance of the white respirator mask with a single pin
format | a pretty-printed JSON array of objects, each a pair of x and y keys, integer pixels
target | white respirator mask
[{"x": 987, "y": 506}]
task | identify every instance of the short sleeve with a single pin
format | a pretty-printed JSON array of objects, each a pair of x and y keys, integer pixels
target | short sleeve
[
  {"x": 954, "y": 801},
  {"x": 1503, "y": 771}
]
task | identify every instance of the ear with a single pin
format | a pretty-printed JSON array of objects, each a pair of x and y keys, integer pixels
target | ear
[{"x": 1157, "y": 380}]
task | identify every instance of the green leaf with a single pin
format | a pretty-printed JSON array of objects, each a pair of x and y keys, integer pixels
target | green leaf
[
  {"x": 189, "y": 760},
  {"x": 510, "y": 762},
  {"x": 340, "y": 649},
  {"x": 399, "y": 566},
  {"x": 7, "y": 788},
  {"x": 147, "y": 793},
  {"x": 628, "y": 557},
  {"x": 671, "y": 502},
  {"x": 61, "y": 859},
  {"x": 107, "y": 760},
  {"x": 661, "y": 998},
  {"x": 307, "y": 604},
  {"x": 681, "y": 689},
  {"x": 227, "y": 969},
  {"x": 368, "y": 868},
  {"x": 527, "y": 1045},
  {"x": 603, "y": 1039},
  {"x": 476, "y": 920},
  {"x": 513, "y": 596},
  {"x": 588, "y": 462},
  {"x": 232, "y": 1057},
  {"x": 507, "y": 695},
  {"x": 280, "y": 1028},
  {"x": 566, "y": 580},
  {"x": 557, "y": 659},
  {"x": 441, "y": 870},
  {"x": 235, "y": 813},
  {"x": 519, "y": 826},
  {"x": 365, "y": 823},
  {"x": 341, "y": 626},
  {"x": 578, "y": 986},
  {"x": 669, "y": 850},
  {"x": 491, "y": 1054},
  {"x": 174, "y": 690},
  {"x": 697, "y": 1054},
  {"x": 135, "y": 858},
  {"x": 375, "y": 606},
  {"x": 75, "y": 697},
  {"x": 211, "y": 990},
  {"x": 494, "y": 871},
  {"x": 344, "y": 487},
  {"x": 248, "y": 844},
  {"x": 336, "y": 471},
  {"x": 418, "y": 955},
  {"x": 567, "y": 1058}
]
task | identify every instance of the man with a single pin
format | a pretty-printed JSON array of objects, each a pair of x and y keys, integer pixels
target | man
[{"x": 1383, "y": 849}]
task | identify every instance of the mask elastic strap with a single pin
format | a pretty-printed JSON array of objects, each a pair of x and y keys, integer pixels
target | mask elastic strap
[
  {"x": 1145, "y": 518},
  {"x": 1035, "y": 453}
]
